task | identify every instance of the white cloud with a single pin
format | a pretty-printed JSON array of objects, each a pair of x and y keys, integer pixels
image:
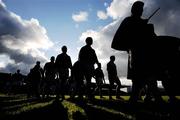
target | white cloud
[
  {"x": 4, "y": 61},
  {"x": 102, "y": 45},
  {"x": 119, "y": 8},
  {"x": 2, "y": 4},
  {"x": 105, "y": 4},
  {"x": 80, "y": 17},
  {"x": 23, "y": 41},
  {"x": 102, "y": 15}
]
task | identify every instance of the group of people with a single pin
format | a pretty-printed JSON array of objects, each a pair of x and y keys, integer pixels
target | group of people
[
  {"x": 147, "y": 64},
  {"x": 58, "y": 70}
]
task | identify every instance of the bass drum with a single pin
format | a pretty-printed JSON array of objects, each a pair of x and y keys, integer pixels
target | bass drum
[
  {"x": 168, "y": 42},
  {"x": 168, "y": 57},
  {"x": 167, "y": 48}
]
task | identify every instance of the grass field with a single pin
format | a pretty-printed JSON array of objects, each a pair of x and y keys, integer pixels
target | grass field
[{"x": 18, "y": 107}]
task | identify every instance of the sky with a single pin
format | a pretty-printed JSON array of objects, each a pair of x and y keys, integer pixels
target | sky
[{"x": 32, "y": 30}]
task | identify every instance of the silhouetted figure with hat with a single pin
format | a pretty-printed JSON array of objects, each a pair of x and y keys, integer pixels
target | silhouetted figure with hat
[
  {"x": 87, "y": 58},
  {"x": 63, "y": 64},
  {"x": 113, "y": 78},
  {"x": 137, "y": 37}
]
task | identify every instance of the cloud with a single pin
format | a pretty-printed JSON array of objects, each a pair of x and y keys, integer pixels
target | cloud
[
  {"x": 119, "y": 8},
  {"x": 168, "y": 14},
  {"x": 80, "y": 17},
  {"x": 166, "y": 22},
  {"x": 102, "y": 45},
  {"x": 105, "y": 4},
  {"x": 2, "y": 4},
  {"x": 102, "y": 15},
  {"x": 22, "y": 41}
]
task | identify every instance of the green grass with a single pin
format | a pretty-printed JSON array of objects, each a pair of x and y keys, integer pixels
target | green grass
[
  {"x": 105, "y": 108},
  {"x": 28, "y": 107},
  {"x": 72, "y": 109}
]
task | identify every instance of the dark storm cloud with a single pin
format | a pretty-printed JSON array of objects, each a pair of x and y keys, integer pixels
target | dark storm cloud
[
  {"x": 17, "y": 56},
  {"x": 21, "y": 40},
  {"x": 166, "y": 21}
]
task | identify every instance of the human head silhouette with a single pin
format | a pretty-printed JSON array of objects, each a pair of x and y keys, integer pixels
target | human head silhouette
[
  {"x": 89, "y": 41},
  {"x": 64, "y": 49},
  {"x": 112, "y": 58},
  {"x": 18, "y": 71},
  {"x": 38, "y": 63},
  {"x": 52, "y": 59},
  {"x": 137, "y": 8}
]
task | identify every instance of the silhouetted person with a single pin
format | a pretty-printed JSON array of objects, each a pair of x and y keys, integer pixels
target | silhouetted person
[
  {"x": 39, "y": 68},
  {"x": 113, "y": 77},
  {"x": 49, "y": 71},
  {"x": 77, "y": 82},
  {"x": 8, "y": 85},
  {"x": 87, "y": 58},
  {"x": 137, "y": 38},
  {"x": 18, "y": 76},
  {"x": 63, "y": 64},
  {"x": 17, "y": 81},
  {"x": 30, "y": 84},
  {"x": 99, "y": 77},
  {"x": 37, "y": 76}
]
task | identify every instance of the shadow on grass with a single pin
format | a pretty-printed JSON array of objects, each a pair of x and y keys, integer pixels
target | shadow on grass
[
  {"x": 20, "y": 108},
  {"x": 32, "y": 109},
  {"x": 101, "y": 109},
  {"x": 55, "y": 111},
  {"x": 122, "y": 110},
  {"x": 15, "y": 102}
]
